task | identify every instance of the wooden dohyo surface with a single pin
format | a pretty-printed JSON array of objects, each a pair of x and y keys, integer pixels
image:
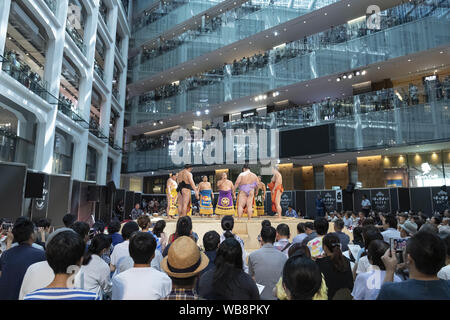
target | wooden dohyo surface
[{"x": 246, "y": 230}]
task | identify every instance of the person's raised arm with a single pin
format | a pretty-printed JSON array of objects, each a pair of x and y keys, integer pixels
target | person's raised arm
[{"x": 390, "y": 262}]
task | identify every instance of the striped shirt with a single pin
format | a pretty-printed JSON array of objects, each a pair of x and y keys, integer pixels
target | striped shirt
[{"x": 61, "y": 294}]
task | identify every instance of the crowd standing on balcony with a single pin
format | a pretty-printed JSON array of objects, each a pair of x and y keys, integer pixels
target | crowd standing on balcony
[
  {"x": 333, "y": 36},
  {"x": 16, "y": 67}
]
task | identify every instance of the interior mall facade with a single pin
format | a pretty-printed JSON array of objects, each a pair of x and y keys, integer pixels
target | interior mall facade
[
  {"x": 381, "y": 81},
  {"x": 94, "y": 89}
]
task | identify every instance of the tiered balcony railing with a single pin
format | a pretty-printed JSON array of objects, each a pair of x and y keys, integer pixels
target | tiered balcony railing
[
  {"x": 346, "y": 48},
  {"x": 386, "y": 118},
  {"x": 16, "y": 149},
  {"x": 149, "y": 27},
  {"x": 23, "y": 74},
  {"x": 77, "y": 38},
  {"x": 227, "y": 28}
]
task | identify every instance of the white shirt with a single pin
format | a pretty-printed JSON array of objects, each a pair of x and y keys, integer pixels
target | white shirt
[
  {"x": 94, "y": 277},
  {"x": 368, "y": 284},
  {"x": 141, "y": 284},
  {"x": 125, "y": 262},
  {"x": 390, "y": 233},
  {"x": 38, "y": 275},
  {"x": 119, "y": 251},
  {"x": 363, "y": 265},
  {"x": 365, "y": 203},
  {"x": 444, "y": 273}
]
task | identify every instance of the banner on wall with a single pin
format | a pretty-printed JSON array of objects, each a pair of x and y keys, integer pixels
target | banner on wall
[
  {"x": 381, "y": 200},
  {"x": 339, "y": 196},
  {"x": 286, "y": 201},
  {"x": 39, "y": 206},
  {"x": 439, "y": 199},
  {"x": 329, "y": 199}
]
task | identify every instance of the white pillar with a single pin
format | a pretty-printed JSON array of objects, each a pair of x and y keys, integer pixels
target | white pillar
[
  {"x": 79, "y": 157},
  {"x": 45, "y": 137},
  {"x": 5, "y": 6},
  {"x": 105, "y": 110}
]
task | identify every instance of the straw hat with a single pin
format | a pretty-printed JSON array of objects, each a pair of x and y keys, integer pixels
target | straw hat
[{"x": 184, "y": 259}]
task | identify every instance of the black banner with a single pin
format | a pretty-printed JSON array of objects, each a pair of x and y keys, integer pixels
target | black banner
[
  {"x": 329, "y": 199},
  {"x": 421, "y": 200},
  {"x": 380, "y": 200},
  {"x": 287, "y": 200},
  {"x": 58, "y": 201},
  {"x": 439, "y": 199},
  {"x": 39, "y": 206}
]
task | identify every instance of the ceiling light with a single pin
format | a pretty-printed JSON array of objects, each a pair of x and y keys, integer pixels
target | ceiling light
[
  {"x": 364, "y": 72},
  {"x": 344, "y": 76},
  {"x": 198, "y": 113},
  {"x": 275, "y": 33},
  {"x": 409, "y": 60},
  {"x": 358, "y": 73},
  {"x": 350, "y": 76},
  {"x": 338, "y": 79}
]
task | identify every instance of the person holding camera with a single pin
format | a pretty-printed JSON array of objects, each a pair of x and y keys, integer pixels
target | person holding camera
[{"x": 425, "y": 255}]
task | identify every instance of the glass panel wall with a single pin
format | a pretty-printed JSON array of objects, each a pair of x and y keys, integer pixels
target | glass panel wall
[{"x": 297, "y": 62}]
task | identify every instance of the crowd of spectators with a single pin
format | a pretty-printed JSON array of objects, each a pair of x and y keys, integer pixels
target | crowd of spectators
[{"x": 138, "y": 261}]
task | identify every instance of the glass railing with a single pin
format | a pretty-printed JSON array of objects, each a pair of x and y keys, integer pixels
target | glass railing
[
  {"x": 232, "y": 26},
  {"x": 62, "y": 164},
  {"x": 99, "y": 70},
  {"x": 94, "y": 128},
  {"x": 23, "y": 74},
  {"x": 67, "y": 108},
  {"x": 113, "y": 144},
  {"x": 16, "y": 149},
  {"x": 386, "y": 118},
  {"x": 152, "y": 26},
  {"x": 77, "y": 38},
  {"x": 296, "y": 63},
  {"x": 51, "y": 5}
]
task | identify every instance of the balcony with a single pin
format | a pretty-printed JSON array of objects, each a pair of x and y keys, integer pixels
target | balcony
[
  {"x": 77, "y": 38},
  {"x": 227, "y": 28},
  {"x": 94, "y": 128},
  {"x": 386, "y": 118},
  {"x": 23, "y": 74},
  {"x": 68, "y": 109},
  {"x": 99, "y": 70},
  {"x": 174, "y": 13},
  {"x": 344, "y": 48},
  {"x": 16, "y": 149}
]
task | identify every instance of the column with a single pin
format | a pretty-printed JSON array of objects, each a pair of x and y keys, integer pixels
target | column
[
  {"x": 4, "y": 17},
  {"x": 105, "y": 110},
  {"x": 358, "y": 124},
  {"x": 79, "y": 157},
  {"x": 45, "y": 136}
]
